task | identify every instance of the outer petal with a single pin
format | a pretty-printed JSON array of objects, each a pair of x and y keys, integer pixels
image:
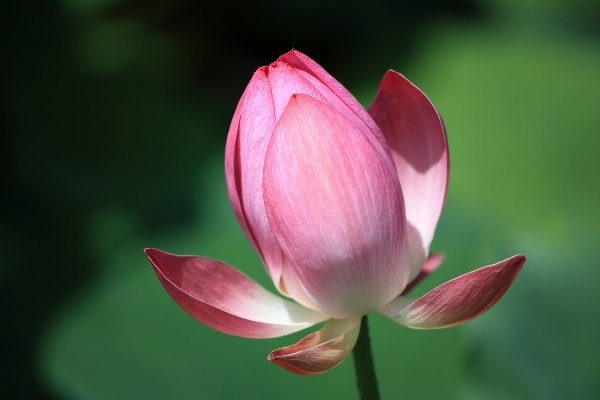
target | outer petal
[
  {"x": 249, "y": 135},
  {"x": 416, "y": 136},
  {"x": 336, "y": 211},
  {"x": 227, "y": 300},
  {"x": 459, "y": 300},
  {"x": 320, "y": 351}
]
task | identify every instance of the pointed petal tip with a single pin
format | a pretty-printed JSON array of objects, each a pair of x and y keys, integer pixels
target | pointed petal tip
[
  {"x": 166, "y": 265},
  {"x": 158, "y": 258},
  {"x": 155, "y": 254},
  {"x": 392, "y": 72},
  {"x": 152, "y": 252},
  {"x": 461, "y": 299}
]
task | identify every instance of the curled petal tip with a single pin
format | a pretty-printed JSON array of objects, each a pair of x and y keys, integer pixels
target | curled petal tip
[{"x": 320, "y": 351}]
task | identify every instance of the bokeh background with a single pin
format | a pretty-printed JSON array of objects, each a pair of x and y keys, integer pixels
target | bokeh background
[{"x": 114, "y": 116}]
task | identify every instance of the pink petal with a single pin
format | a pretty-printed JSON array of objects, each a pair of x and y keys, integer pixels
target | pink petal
[
  {"x": 227, "y": 300},
  {"x": 416, "y": 136},
  {"x": 459, "y": 300},
  {"x": 249, "y": 135},
  {"x": 336, "y": 211},
  {"x": 292, "y": 287},
  {"x": 232, "y": 169},
  {"x": 320, "y": 351},
  {"x": 286, "y": 81},
  {"x": 340, "y": 99}
]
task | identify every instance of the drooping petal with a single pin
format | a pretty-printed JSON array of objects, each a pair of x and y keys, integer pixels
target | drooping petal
[
  {"x": 320, "y": 351},
  {"x": 336, "y": 211},
  {"x": 457, "y": 301},
  {"x": 434, "y": 260},
  {"x": 416, "y": 136},
  {"x": 249, "y": 135},
  {"x": 227, "y": 300}
]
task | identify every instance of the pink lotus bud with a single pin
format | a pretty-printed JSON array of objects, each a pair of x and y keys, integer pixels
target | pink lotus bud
[
  {"x": 314, "y": 185},
  {"x": 342, "y": 205}
]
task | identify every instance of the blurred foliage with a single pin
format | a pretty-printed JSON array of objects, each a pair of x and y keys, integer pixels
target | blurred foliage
[{"x": 115, "y": 115}]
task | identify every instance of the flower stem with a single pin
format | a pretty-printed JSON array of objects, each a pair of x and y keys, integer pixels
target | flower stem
[{"x": 363, "y": 364}]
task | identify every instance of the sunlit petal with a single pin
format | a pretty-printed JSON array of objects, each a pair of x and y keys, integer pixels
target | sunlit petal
[
  {"x": 416, "y": 136},
  {"x": 336, "y": 211},
  {"x": 227, "y": 300},
  {"x": 457, "y": 301}
]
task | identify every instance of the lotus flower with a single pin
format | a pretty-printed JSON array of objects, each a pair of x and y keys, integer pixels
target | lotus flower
[{"x": 341, "y": 204}]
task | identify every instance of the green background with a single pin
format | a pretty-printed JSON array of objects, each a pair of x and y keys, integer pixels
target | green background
[{"x": 116, "y": 114}]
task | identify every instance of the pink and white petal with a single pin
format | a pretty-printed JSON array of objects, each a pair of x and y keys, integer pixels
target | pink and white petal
[
  {"x": 247, "y": 143},
  {"x": 227, "y": 300},
  {"x": 457, "y": 301},
  {"x": 291, "y": 286},
  {"x": 416, "y": 136},
  {"x": 340, "y": 99},
  {"x": 320, "y": 351},
  {"x": 434, "y": 260},
  {"x": 335, "y": 210}
]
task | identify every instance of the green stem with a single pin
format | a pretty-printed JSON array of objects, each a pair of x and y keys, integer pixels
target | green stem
[{"x": 363, "y": 364}]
